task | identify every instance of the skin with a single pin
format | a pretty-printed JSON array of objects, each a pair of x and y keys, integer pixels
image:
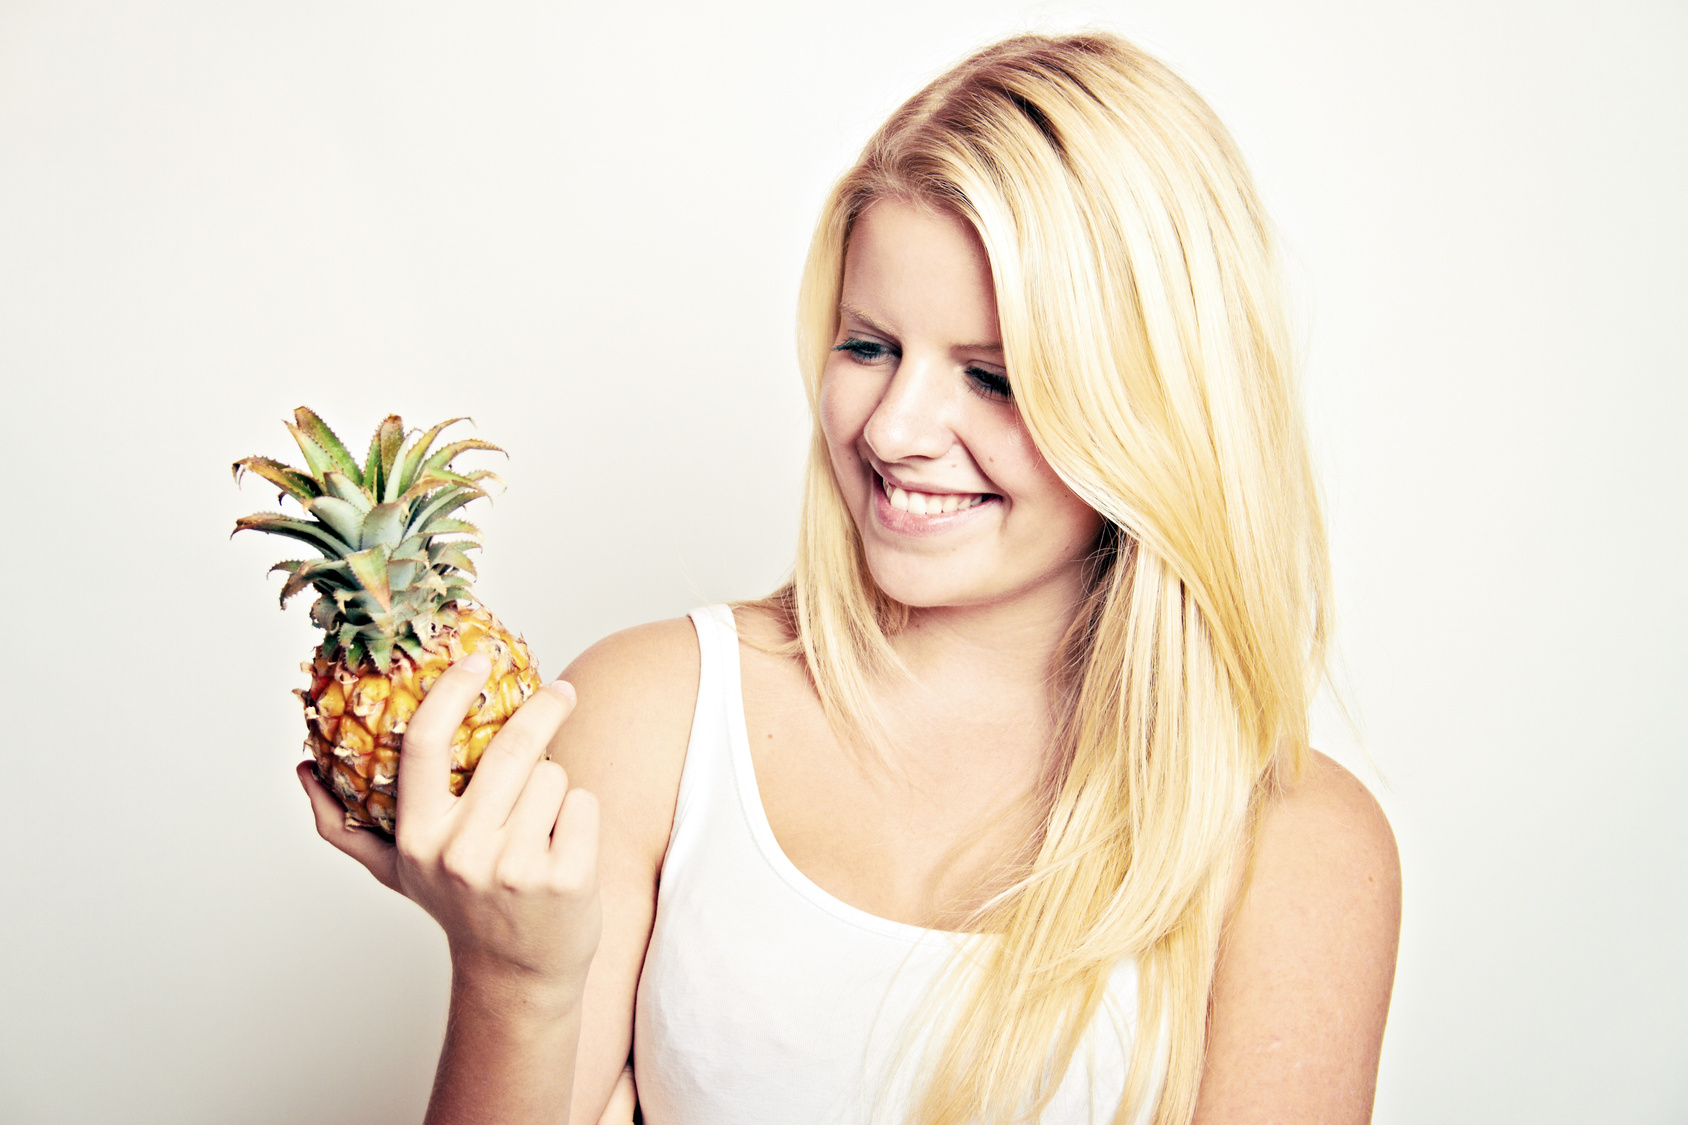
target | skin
[{"x": 548, "y": 917}]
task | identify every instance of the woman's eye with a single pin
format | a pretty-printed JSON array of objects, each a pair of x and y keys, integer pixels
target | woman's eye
[
  {"x": 864, "y": 351},
  {"x": 989, "y": 384}
]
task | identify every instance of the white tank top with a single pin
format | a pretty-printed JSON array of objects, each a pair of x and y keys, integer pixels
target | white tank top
[{"x": 766, "y": 1001}]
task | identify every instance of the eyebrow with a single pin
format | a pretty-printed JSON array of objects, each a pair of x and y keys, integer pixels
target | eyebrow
[{"x": 851, "y": 311}]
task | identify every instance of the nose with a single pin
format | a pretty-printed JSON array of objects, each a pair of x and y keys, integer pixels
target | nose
[{"x": 911, "y": 419}]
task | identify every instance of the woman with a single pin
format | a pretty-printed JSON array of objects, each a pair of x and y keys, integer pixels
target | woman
[{"x": 1004, "y": 807}]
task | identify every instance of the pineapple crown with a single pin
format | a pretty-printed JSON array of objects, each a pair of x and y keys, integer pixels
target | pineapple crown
[{"x": 385, "y": 578}]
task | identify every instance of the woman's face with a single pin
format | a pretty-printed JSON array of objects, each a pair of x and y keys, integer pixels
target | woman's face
[{"x": 955, "y": 504}]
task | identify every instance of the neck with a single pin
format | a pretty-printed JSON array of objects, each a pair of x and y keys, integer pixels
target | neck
[{"x": 990, "y": 663}]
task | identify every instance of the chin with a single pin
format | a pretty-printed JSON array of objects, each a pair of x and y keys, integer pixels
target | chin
[{"x": 929, "y": 586}]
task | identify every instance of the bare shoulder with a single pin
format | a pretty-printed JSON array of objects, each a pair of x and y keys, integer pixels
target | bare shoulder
[
  {"x": 626, "y": 740},
  {"x": 1328, "y": 833},
  {"x": 1301, "y": 989}
]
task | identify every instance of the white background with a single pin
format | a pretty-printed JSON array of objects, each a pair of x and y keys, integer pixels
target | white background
[{"x": 583, "y": 225}]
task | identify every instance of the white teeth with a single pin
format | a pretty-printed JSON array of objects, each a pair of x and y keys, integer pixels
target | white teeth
[{"x": 930, "y": 503}]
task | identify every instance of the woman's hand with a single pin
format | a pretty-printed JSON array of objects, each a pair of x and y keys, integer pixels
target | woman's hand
[{"x": 509, "y": 869}]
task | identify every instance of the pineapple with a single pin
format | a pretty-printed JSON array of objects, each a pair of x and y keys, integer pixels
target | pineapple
[{"x": 395, "y": 603}]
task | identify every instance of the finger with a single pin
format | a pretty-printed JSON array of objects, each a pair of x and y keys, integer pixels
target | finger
[
  {"x": 361, "y": 844},
  {"x": 508, "y": 761},
  {"x": 623, "y": 1099},
  {"x": 535, "y": 815},
  {"x": 425, "y": 758},
  {"x": 574, "y": 842}
]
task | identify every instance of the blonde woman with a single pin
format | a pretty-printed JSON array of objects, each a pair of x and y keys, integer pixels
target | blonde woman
[{"x": 1004, "y": 808}]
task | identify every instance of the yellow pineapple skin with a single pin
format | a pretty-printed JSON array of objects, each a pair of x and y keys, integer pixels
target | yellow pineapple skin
[{"x": 355, "y": 718}]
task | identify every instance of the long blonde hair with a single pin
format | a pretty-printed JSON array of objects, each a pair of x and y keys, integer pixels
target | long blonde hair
[{"x": 1145, "y": 337}]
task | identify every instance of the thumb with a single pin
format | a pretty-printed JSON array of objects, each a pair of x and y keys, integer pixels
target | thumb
[{"x": 367, "y": 847}]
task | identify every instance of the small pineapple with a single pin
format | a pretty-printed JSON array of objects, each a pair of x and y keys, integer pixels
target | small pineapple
[{"x": 395, "y": 603}]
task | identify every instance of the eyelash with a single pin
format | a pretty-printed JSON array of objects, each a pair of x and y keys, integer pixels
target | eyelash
[{"x": 985, "y": 384}]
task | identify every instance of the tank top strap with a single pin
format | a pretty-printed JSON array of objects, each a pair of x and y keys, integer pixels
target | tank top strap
[{"x": 708, "y": 778}]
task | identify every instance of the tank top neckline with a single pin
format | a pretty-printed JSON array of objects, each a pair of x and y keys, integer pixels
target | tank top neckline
[{"x": 756, "y": 815}]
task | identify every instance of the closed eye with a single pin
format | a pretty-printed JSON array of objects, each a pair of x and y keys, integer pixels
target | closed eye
[
  {"x": 989, "y": 384},
  {"x": 867, "y": 351}
]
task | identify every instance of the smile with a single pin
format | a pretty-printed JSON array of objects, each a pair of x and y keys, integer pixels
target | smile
[
  {"x": 930, "y": 503},
  {"x": 923, "y": 513}
]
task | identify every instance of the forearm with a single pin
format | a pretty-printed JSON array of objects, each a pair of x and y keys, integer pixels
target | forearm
[{"x": 509, "y": 1055}]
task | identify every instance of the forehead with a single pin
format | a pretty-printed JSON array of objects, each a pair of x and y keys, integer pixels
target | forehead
[{"x": 913, "y": 267}]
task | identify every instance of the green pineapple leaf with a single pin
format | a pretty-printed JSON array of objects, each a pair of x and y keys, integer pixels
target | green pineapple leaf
[
  {"x": 455, "y": 527},
  {"x": 380, "y": 650},
  {"x": 340, "y": 486},
  {"x": 451, "y": 555},
  {"x": 316, "y": 458},
  {"x": 343, "y": 518},
  {"x": 317, "y": 430},
  {"x": 310, "y": 532},
  {"x": 440, "y": 504},
  {"x": 290, "y": 480},
  {"x": 383, "y": 449},
  {"x": 370, "y": 569},
  {"x": 413, "y": 460},
  {"x": 384, "y": 525},
  {"x": 324, "y": 574},
  {"x": 444, "y": 457}
]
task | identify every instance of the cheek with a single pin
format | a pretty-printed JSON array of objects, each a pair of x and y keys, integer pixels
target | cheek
[
  {"x": 844, "y": 413},
  {"x": 1070, "y": 520}
]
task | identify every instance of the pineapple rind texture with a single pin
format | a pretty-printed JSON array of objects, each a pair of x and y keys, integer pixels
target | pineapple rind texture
[
  {"x": 395, "y": 601},
  {"x": 356, "y": 718}
]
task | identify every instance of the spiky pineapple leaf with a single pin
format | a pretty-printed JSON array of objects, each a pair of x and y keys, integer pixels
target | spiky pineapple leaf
[
  {"x": 323, "y": 573},
  {"x": 450, "y": 555},
  {"x": 414, "y": 458},
  {"x": 444, "y": 456},
  {"x": 415, "y": 548},
  {"x": 290, "y": 480},
  {"x": 340, "y": 486},
  {"x": 383, "y": 449},
  {"x": 440, "y": 504},
  {"x": 455, "y": 527},
  {"x": 345, "y": 520},
  {"x": 401, "y": 573},
  {"x": 324, "y": 613},
  {"x": 384, "y": 525},
  {"x": 380, "y": 650},
  {"x": 316, "y": 534},
  {"x": 370, "y": 569},
  {"x": 316, "y": 458},
  {"x": 430, "y": 481},
  {"x": 317, "y": 430}
]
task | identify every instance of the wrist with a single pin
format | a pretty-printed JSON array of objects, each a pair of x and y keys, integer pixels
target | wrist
[{"x": 491, "y": 985}]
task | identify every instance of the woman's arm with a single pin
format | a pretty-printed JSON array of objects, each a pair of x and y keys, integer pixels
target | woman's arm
[
  {"x": 1302, "y": 986},
  {"x": 541, "y": 1008},
  {"x": 626, "y": 742}
]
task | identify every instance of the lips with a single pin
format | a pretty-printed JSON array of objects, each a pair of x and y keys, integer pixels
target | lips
[
  {"x": 930, "y": 503},
  {"x": 916, "y": 512}
]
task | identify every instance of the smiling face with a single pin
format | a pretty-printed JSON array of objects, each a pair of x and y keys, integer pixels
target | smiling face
[{"x": 955, "y": 504}]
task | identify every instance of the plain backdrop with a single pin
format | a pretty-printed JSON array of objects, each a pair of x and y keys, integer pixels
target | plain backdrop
[{"x": 582, "y": 224}]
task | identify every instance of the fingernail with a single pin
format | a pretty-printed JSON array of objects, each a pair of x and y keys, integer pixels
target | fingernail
[
  {"x": 562, "y": 689},
  {"x": 478, "y": 662}
]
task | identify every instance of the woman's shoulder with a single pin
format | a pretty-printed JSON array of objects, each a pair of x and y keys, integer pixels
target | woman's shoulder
[
  {"x": 625, "y": 742},
  {"x": 1323, "y": 849},
  {"x": 1307, "y": 963},
  {"x": 1329, "y": 806},
  {"x": 1327, "y": 826}
]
